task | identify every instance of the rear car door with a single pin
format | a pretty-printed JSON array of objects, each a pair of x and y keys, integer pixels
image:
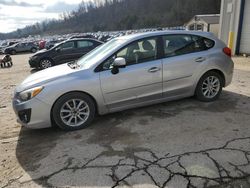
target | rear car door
[
  {"x": 140, "y": 81},
  {"x": 184, "y": 55},
  {"x": 83, "y": 47},
  {"x": 20, "y": 47},
  {"x": 65, "y": 52},
  {"x": 27, "y": 46}
]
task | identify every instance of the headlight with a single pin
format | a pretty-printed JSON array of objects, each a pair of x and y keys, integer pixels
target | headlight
[
  {"x": 33, "y": 57},
  {"x": 29, "y": 94}
]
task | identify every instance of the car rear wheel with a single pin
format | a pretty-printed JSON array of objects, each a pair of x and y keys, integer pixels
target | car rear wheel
[
  {"x": 45, "y": 63},
  {"x": 33, "y": 50},
  {"x": 13, "y": 52},
  {"x": 74, "y": 111},
  {"x": 209, "y": 87}
]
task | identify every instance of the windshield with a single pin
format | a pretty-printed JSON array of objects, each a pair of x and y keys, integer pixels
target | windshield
[
  {"x": 97, "y": 54},
  {"x": 56, "y": 44}
]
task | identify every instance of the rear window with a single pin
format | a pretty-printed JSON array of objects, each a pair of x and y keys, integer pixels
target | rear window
[{"x": 84, "y": 44}]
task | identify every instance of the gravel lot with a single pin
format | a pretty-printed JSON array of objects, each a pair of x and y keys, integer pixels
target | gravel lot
[{"x": 177, "y": 144}]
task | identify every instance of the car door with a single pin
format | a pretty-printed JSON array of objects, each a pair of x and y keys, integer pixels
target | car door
[
  {"x": 140, "y": 81},
  {"x": 184, "y": 55},
  {"x": 83, "y": 47},
  {"x": 26, "y": 47},
  {"x": 19, "y": 47},
  {"x": 64, "y": 52}
]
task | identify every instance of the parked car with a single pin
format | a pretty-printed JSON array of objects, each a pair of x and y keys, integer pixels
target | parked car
[
  {"x": 21, "y": 47},
  {"x": 6, "y": 45},
  {"x": 66, "y": 51},
  {"x": 124, "y": 73}
]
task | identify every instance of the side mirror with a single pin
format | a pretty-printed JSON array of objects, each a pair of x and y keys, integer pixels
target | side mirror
[{"x": 119, "y": 62}]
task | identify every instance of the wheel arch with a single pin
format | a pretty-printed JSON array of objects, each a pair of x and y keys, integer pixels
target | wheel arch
[
  {"x": 33, "y": 48},
  {"x": 218, "y": 72},
  {"x": 75, "y": 91},
  {"x": 45, "y": 57}
]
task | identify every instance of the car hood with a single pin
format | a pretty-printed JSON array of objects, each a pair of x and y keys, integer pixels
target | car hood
[
  {"x": 40, "y": 52},
  {"x": 42, "y": 77}
]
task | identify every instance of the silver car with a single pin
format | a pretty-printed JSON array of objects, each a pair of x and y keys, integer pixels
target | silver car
[{"x": 126, "y": 72}]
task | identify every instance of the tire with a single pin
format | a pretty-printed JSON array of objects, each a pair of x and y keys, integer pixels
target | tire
[
  {"x": 45, "y": 63},
  {"x": 209, "y": 87},
  {"x": 69, "y": 116},
  {"x": 33, "y": 50},
  {"x": 13, "y": 52}
]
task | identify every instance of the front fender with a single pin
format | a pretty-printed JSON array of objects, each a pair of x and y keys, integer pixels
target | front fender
[{"x": 71, "y": 83}]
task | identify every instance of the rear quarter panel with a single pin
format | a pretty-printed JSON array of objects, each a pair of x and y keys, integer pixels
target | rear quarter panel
[{"x": 216, "y": 60}]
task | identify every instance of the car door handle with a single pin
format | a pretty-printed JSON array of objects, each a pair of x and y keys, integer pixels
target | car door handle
[
  {"x": 200, "y": 59},
  {"x": 154, "y": 69}
]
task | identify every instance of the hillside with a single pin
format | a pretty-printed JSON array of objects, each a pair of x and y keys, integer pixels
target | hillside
[{"x": 121, "y": 15}]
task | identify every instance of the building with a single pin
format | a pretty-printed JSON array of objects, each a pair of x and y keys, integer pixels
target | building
[
  {"x": 206, "y": 22},
  {"x": 235, "y": 25}
]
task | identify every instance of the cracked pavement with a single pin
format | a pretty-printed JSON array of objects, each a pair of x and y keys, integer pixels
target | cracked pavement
[{"x": 177, "y": 144}]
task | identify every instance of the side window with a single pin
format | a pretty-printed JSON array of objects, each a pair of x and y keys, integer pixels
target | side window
[
  {"x": 67, "y": 45},
  {"x": 84, "y": 44},
  {"x": 90, "y": 43},
  {"x": 136, "y": 52},
  {"x": 175, "y": 45},
  {"x": 208, "y": 43},
  {"x": 20, "y": 45}
]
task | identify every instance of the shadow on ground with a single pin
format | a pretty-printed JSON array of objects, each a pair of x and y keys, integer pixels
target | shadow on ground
[{"x": 37, "y": 148}]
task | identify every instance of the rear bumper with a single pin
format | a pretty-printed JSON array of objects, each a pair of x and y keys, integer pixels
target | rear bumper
[{"x": 229, "y": 75}]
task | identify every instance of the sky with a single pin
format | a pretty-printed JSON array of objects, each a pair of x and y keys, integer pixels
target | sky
[{"x": 16, "y": 14}]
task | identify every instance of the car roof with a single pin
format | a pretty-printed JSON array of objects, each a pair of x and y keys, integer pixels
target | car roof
[
  {"x": 168, "y": 32},
  {"x": 77, "y": 39}
]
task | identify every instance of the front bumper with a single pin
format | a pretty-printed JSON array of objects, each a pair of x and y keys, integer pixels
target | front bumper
[
  {"x": 33, "y": 114},
  {"x": 33, "y": 63}
]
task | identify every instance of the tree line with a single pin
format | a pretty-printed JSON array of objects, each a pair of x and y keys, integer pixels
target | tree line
[{"x": 112, "y": 15}]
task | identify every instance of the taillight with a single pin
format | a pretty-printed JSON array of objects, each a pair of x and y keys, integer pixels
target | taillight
[{"x": 227, "y": 51}]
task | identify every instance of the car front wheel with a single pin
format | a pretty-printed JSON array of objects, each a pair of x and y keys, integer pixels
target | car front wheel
[
  {"x": 33, "y": 50},
  {"x": 74, "y": 111},
  {"x": 45, "y": 63},
  {"x": 209, "y": 87},
  {"x": 13, "y": 52}
]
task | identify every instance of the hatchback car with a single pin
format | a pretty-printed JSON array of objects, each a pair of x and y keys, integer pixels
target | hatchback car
[
  {"x": 126, "y": 72},
  {"x": 64, "y": 52},
  {"x": 21, "y": 47}
]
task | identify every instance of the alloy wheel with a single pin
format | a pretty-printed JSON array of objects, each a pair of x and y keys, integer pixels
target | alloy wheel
[
  {"x": 211, "y": 87},
  {"x": 46, "y": 64},
  {"x": 74, "y": 112}
]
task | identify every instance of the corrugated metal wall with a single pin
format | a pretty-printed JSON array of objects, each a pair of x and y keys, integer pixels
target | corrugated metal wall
[
  {"x": 224, "y": 21},
  {"x": 245, "y": 34},
  {"x": 229, "y": 22}
]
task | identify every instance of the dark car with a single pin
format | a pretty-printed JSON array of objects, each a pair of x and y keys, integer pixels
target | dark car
[
  {"x": 64, "y": 52},
  {"x": 21, "y": 47}
]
